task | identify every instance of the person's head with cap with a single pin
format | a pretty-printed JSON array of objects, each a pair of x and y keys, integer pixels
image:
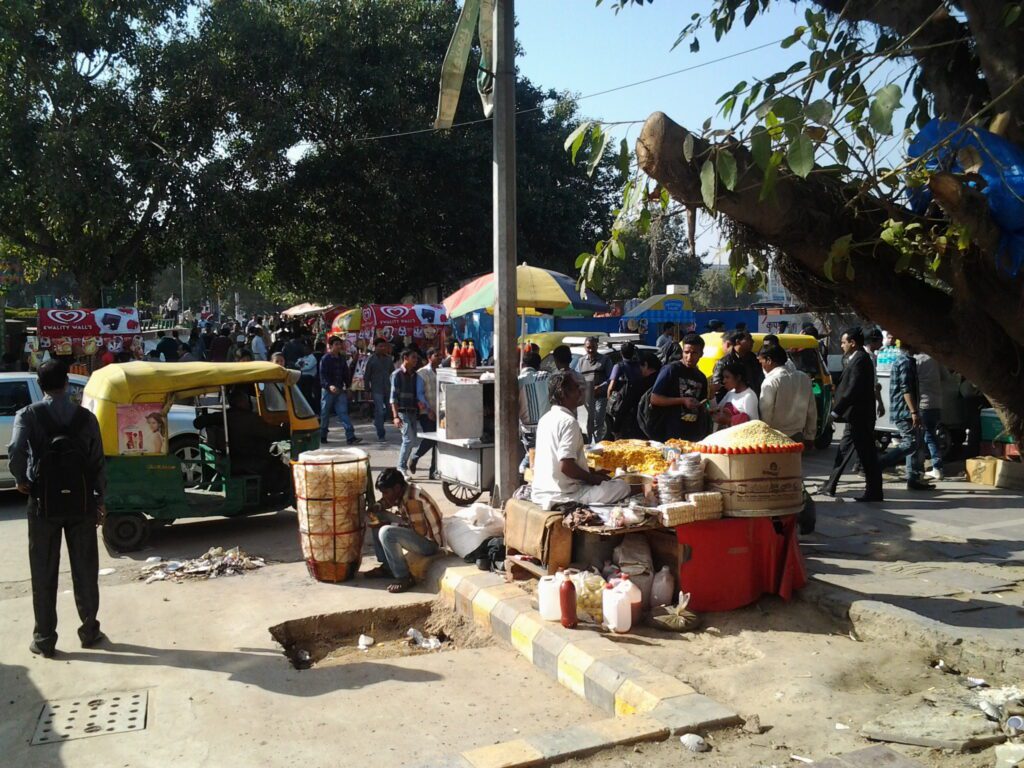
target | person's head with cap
[{"x": 53, "y": 377}]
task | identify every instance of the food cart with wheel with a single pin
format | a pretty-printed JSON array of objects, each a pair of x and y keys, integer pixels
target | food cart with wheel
[
  {"x": 465, "y": 433},
  {"x": 81, "y": 336}
]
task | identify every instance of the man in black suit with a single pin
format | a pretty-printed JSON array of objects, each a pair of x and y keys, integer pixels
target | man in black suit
[{"x": 855, "y": 404}]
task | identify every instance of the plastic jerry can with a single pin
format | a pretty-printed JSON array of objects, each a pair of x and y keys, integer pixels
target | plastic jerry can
[
  {"x": 547, "y": 598},
  {"x": 636, "y": 598},
  {"x": 664, "y": 588},
  {"x": 618, "y": 614}
]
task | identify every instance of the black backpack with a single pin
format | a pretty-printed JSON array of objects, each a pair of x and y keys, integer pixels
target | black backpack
[
  {"x": 618, "y": 402},
  {"x": 62, "y": 487},
  {"x": 649, "y": 419}
]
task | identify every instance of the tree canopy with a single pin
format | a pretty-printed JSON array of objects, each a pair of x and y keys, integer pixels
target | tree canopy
[
  {"x": 805, "y": 170},
  {"x": 241, "y": 135}
]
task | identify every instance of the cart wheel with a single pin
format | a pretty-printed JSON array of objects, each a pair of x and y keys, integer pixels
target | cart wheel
[
  {"x": 127, "y": 532},
  {"x": 460, "y": 495}
]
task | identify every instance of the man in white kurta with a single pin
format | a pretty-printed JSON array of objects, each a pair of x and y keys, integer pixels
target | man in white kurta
[{"x": 560, "y": 471}]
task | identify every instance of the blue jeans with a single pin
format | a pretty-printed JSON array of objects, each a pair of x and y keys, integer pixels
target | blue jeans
[
  {"x": 338, "y": 405},
  {"x": 596, "y": 420},
  {"x": 906, "y": 449},
  {"x": 426, "y": 425},
  {"x": 390, "y": 540},
  {"x": 379, "y": 409},
  {"x": 930, "y": 418},
  {"x": 409, "y": 433}
]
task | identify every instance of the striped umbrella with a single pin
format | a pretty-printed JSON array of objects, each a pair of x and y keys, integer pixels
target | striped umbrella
[{"x": 536, "y": 288}]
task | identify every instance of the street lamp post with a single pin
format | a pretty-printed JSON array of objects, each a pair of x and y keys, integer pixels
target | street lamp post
[{"x": 506, "y": 391}]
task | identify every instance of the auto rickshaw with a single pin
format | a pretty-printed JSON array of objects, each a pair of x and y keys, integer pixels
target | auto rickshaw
[
  {"x": 146, "y": 486},
  {"x": 805, "y": 353}
]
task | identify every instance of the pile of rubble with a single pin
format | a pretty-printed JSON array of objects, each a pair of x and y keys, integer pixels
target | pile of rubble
[{"x": 216, "y": 562}]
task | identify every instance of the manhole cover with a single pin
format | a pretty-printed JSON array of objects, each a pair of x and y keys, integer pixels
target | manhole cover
[{"x": 87, "y": 716}]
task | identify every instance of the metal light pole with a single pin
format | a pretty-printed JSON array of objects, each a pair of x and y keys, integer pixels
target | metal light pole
[
  {"x": 181, "y": 296},
  {"x": 506, "y": 391}
]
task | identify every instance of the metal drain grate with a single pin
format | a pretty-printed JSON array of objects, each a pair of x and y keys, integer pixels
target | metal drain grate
[{"x": 97, "y": 715}]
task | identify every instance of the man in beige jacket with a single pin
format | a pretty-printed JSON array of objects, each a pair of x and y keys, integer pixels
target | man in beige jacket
[{"x": 787, "y": 397}]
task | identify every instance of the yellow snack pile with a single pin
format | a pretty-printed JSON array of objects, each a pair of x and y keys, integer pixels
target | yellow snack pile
[
  {"x": 749, "y": 437},
  {"x": 629, "y": 456}
]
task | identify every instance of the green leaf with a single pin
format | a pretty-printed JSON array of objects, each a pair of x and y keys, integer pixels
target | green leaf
[
  {"x": 624, "y": 156},
  {"x": 849, "y": 271},
  {"x": 787, "y": 108},
  {"x": 790, "y": 41},
  {"x": 688, "y": 147},
  {"x": 842, "y": 150},
  {"x": 840, "y": 250},
  {"x": 597, "y": 152},
  {"x": 820, "y": 111},
  {"x": 827, "y": 269},
  {"x": 728, "y": 107},
  {"x": 707, "y": 184},
  {"x": 618, "y": 249},
  {"x": 694, "y": 45},
  {"x": 750, "y": 13},
  {"x": 726, "y": 165},
  {"x": 582, "y": 259},
  {"x": 770, "y": 176},
  {"x": 645, "y": 221},
  {"x": 903, "y": 261},
  {"x": 575, "y": 139},
  {"x": 665, "y": 199},
  {"x": 1011, "y": 14},
  {"x": 760, "y": 147},
  {"x": 800, "y": 156},
  {"x": 886, "y": 101}
]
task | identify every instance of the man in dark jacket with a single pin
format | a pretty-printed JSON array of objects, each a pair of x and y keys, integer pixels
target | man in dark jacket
[
  {"x": 28, "y": 445},
  {"x": 855, "y": 404}
]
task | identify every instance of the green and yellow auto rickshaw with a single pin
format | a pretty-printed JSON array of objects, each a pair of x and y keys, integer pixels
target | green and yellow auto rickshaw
[
  {"x": 806, "y": 356},
  {"x": 249, "y": 419}
]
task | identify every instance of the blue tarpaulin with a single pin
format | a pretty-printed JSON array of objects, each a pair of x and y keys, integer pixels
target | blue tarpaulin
[{"x": 1002, "y": 168}]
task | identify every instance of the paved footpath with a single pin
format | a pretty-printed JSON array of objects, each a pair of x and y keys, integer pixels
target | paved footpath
[{"x": 944, "y": 568}]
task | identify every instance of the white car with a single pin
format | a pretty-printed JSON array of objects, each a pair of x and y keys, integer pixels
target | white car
[{"x": 20, "y": 389}]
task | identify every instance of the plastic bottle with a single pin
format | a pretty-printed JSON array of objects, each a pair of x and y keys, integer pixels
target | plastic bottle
[
  {"x": 466, "y": 356},
  {"x": 567, "y": 602},
  {"x": 472, "y": 355},
  {"x": 636, "y": 597},
  {"x": 664, "y": 587},
  {"x": 548, "y": 600},
  {"x": 618, "y": 614}
]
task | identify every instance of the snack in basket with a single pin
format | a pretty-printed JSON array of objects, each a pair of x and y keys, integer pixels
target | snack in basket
[
  {"x": 747, "y": 438},
  {"x": 629, "y": 456},
  {"x": 683, "y": 445}
]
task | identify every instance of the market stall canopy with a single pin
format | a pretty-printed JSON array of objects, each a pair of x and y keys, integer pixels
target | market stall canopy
[
  {"x": 665, "y": 308},
  {"x": 536, "y": 288},
  {"x": 301, "y": 310},
  {"x": 417, "y": 321}
]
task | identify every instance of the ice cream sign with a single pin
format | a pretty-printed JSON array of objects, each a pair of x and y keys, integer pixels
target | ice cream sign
[{"x": 81, "y": 323}]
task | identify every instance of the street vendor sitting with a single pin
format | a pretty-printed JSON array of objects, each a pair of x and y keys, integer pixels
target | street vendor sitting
[
  {"x": 560, "y": 470},
  {"x": 414, "y": 526}
]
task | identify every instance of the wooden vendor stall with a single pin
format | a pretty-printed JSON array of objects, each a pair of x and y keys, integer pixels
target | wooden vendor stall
[
  {"x": 720, "y": 514},
  {"x": 81, "y": 336}
]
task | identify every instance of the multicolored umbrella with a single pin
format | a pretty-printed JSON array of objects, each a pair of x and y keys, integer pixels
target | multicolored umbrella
[{"x": 536, "y": 288}]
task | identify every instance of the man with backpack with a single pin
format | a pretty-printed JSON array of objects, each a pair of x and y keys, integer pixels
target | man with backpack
[{"x": 56, "y": 457}]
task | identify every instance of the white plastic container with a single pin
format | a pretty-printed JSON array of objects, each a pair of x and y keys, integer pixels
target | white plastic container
[
  {"x": 664, "y": 587},
  {"x": 547, "y": 598},
  {"x": 636, "y": 598},
  {"x": 618, "y": 615}
]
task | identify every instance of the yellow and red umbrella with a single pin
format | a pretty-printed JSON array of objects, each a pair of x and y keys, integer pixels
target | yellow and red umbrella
[{"x": 536, "y": 288}]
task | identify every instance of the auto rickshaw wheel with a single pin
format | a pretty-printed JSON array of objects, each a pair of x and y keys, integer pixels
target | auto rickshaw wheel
[
  {"x": 127, "y": 532},
  {"x": 460, "y": 495}
]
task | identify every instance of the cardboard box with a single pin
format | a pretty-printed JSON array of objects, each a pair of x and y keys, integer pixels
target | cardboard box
[
  {"x": 982, "y": 470},
  {"x": 756, "y": 483},
  {"x": 1009, "y": 474}
]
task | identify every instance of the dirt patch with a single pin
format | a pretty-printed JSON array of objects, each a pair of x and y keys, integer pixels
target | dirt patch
[{"x": 331, "y": 639}]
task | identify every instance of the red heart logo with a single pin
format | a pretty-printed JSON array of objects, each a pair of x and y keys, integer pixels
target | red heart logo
[{"x": 68, "y": 316}]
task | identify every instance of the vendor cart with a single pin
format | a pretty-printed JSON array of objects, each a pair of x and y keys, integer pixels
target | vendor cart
[
  {"x": 465, "y": 433},
  {"x": 81, "y": 336}
]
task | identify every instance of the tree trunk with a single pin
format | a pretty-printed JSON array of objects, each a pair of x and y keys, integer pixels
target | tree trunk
[{"x": 976, "y": 329}]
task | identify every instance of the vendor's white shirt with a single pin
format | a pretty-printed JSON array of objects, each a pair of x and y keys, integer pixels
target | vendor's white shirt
[
  {"x": 744, "y": 402},
  {"x": 259, "y": 348},
  {"x": 558, "y": 437},
  {"x": 787, "y": 403}
]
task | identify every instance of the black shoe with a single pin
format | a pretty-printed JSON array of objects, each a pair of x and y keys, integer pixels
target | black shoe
[
  {"x": 412, "y": 465},
  {"x": 919, "y": 485},
  {"x": 824, "y": 491},
  {"x": 46, "y": 653},
  {"x": 355, "y": 441},
  {"x": 868, "y": 499},
  {"x": 95, "y": 640},
  {"x": 324, "y": 441}
]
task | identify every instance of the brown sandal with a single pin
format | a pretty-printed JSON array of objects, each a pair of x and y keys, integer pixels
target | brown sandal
[
  {"x": 402, "y": 585},
  {"x": 380, "y": 572}
]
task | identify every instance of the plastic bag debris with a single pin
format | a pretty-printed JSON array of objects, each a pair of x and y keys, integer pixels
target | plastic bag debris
[
  {"x": 426, "y": 643},
  {"x": 216, "y": 562},
  {"x": 694, "y": 743},
  {"x": 365, "y": 641},
  {"x": 842, "y": 727},
  {"x": 105, "y": 571},
  {"x": 154, "y": 559}
]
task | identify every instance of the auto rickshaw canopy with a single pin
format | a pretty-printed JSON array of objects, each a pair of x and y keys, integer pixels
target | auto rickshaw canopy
[{"x": 162, "y": 383}]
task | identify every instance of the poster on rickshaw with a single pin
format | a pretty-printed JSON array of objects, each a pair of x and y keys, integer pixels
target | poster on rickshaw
[{"x": 141, "y": 430}]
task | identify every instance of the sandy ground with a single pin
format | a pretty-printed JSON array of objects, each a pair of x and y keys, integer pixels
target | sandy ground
[{"x": 802, "y": 674}]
